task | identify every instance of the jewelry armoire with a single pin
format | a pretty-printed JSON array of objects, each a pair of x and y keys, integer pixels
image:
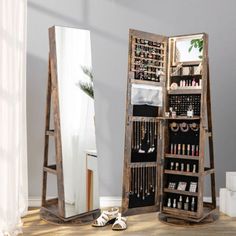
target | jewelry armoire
[{"x": 168, "y": 127}]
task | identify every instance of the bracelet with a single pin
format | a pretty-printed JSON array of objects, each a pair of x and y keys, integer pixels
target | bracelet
[
  {"x": 184, "y": 127},
  {"x": 174, "y": 127},
  {"x": 194, "y": 126}
]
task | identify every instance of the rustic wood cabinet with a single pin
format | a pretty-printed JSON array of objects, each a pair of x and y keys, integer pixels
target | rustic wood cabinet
[{"x": 168, "y": 122}]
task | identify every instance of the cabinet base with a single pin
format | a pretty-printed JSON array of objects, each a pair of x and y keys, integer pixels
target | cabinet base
[
  {"x": 81, "y": 219},
  {"x": 177, "y": 221}
]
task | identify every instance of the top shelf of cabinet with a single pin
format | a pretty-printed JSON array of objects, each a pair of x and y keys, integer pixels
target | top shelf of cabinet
[{"x": 185, "y": 76}]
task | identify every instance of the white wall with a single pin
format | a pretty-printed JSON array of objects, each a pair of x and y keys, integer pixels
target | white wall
[{"x": 109, "y": 21}]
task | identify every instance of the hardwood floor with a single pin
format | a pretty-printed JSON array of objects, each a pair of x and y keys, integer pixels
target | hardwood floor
[{"x": 145, "y": 224}]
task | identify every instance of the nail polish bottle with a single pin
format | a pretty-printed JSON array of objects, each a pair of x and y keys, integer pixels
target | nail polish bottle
[
  {"x": 179, "y": 149},
  {"x": 172, "y": 166},
  {"x": 188, "y": 149},
  {"x": 176, "y": 166},
  {"x": 183, "y": 149},
  {"x": 188, "y": 168},
  {"x": 171, "y": 148},
  {"x": 197, "y": 150},
  {"x": 193, "y": 150},
  {"x": 175, "y": 148}
]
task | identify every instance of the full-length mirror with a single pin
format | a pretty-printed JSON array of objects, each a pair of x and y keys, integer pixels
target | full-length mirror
[{"x": 76, "y": 160}]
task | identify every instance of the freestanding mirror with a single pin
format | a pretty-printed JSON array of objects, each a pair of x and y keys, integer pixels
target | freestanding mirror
[{"x": 74, "y": 133}]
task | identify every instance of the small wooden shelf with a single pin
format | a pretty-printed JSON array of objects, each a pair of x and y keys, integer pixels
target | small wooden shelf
[
  {"x": 183, "y": 118},
  {"x": 186, "y": 157},
  {"x": 186, "y": 91},
  {"x": 185, "y": 76},
  {"x": 51, "y": 169},
  {"x": 181, "y": 212},
  {"x": 147, "y": 82},
  {"x": 188, "y": 215},
  {"x": 185, "y": 173},
  {"x": 187, "y": 193}
]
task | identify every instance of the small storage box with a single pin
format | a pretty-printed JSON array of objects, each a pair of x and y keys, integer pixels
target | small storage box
[
  {"x": 223, "y": 194},
  {"x": 231, "y": 181},
  {"x": 231, "y": 203}
]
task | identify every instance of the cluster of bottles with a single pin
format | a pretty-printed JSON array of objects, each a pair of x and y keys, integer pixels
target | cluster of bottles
[
  {"x": 190, "y": 83},
  {"x": 187, "y": 205},
  {"x": 184, "y": 149},
  {"x": 187, "y": 84},
  {"x": 182, "y": 167}
]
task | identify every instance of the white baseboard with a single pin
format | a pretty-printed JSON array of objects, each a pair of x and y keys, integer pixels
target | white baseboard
[{"x": 104, "y": 201}]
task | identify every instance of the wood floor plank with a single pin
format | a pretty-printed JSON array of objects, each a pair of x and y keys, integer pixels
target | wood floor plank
[{"x": 145, "y": 224}]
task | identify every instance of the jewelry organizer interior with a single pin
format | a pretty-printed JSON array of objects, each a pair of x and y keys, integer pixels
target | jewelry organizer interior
[
  {"x": 182, "y": 137},
  {"x": 144, "y": 143},
  {"x": 147, "y": 64},
  {"x": 181, "y": 166}
]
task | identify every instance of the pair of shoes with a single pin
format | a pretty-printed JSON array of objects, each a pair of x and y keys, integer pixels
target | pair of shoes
[{"x": 111, "y": 216}]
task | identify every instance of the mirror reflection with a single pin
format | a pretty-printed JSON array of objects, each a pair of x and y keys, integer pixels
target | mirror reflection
[
  {"x": 188, "y": 49},
  {"x": 73, "y": 52}
]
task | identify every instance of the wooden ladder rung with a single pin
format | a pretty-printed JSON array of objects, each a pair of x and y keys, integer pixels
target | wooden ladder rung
[
  {"x": 50, "y": 132},
  {"x": 51, "y": 169},
  {"x": 209, "y": 171}
]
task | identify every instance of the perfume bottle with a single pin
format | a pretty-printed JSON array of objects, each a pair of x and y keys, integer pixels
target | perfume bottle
[
  {"x": 172, "y": 166},
  {"x": 180, "y": 203},
  {"x": 182, "y": 166},
  {"x": 186, "y": 204},
  {"x": 194, "y": 168},
  {"x": 193, "y": 204},
  {"x": 169, "y": 202},
  {"x": 176, "y": 166},
  {"x": 174, "y": 203}
]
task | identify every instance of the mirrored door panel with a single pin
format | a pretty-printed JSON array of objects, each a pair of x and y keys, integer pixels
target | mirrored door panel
[{"x": 73, "y": 54}]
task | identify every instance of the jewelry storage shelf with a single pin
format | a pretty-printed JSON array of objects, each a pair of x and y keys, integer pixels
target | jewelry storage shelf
[{"x": 164, "y": 168}]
